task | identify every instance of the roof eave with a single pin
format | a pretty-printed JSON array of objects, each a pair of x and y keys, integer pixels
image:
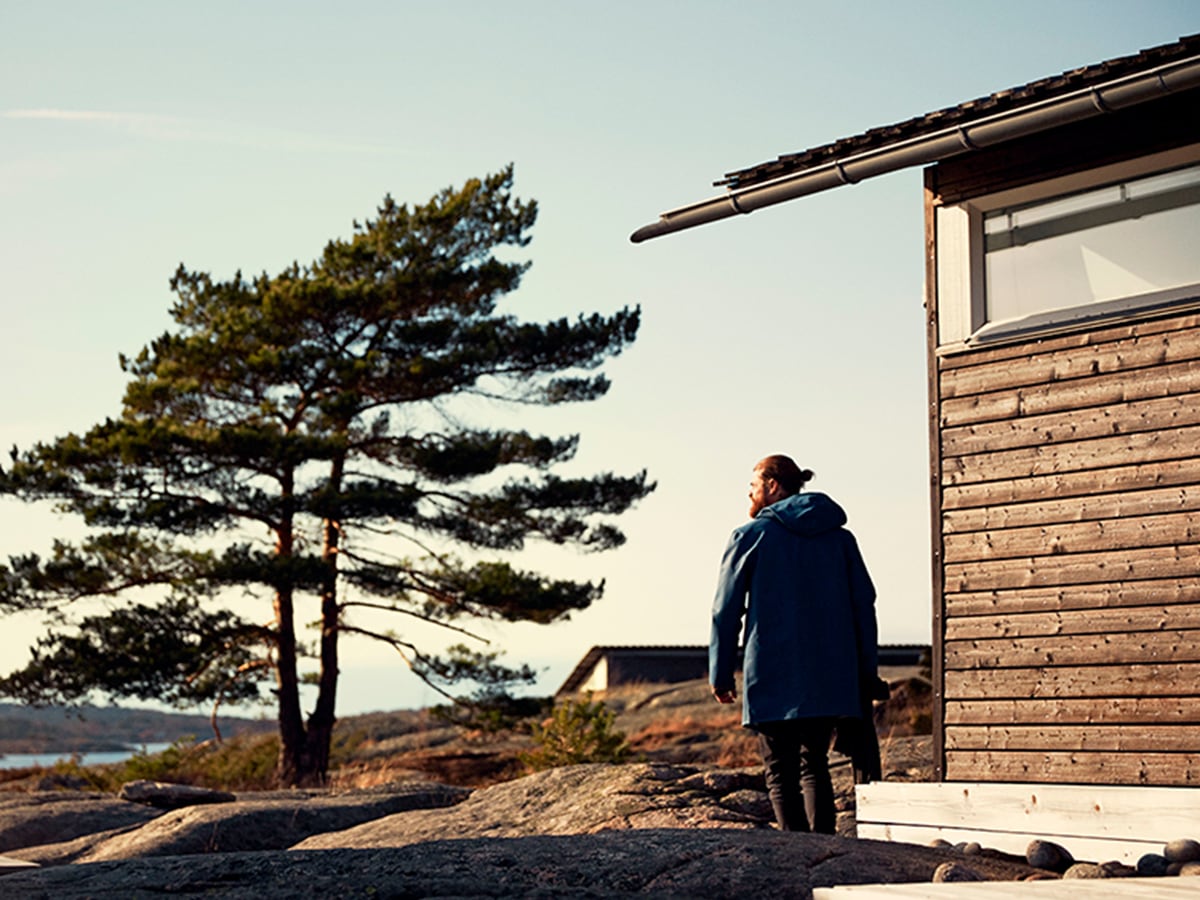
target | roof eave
[{"x": 935, "y": 146}]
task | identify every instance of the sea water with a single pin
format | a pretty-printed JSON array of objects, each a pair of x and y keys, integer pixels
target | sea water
[{"x": 49, "y": 758}]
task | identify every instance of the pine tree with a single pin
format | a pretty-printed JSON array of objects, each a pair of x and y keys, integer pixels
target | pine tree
[{"x": 296, "y": 437}]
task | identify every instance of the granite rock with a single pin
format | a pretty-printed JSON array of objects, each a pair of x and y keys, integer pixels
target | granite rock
[
  {"x": 164, "y": 795},
  {"x": 31, "y": 819},
  {"x": 582, "y": 799},
  {"x": 662, "y": 863}
]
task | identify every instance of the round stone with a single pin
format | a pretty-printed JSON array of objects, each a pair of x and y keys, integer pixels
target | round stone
[
  {"x": 1152, "y": 864},
  {"x": 1182, "y": 850},
  {"x": 1084, "y": 870},
  {"x": 1048, "y": 855},
  {"x": 952, "y": 871}
]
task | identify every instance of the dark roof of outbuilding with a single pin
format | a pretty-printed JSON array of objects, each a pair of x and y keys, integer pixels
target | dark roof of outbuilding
[
  {"x": 584, "y": 666},
  {"x": 1001, "y": 101}
]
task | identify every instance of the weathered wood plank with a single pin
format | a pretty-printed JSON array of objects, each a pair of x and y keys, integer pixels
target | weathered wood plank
[
  {"x": 1073, "y": 509},
  {"x": 1075, "y": 767},
  {"x": 9, "y": 865},
  {"x": 1115, "y": 479},
  {"x": 1069, "y": 357},
  {"x": 1068, "y": 711},
  {"x": 1075, "y": 622},
  {"x": 1072, "y": 425},
  {"x": 932, "y": 318},
  {"x": 1138, "y": 680},
  {"x": 1128, "y": 334},
  {"x": 1159, "y": 529},
  {"x": 1074, "y": 650},
  {"x": 1052, "y": 810},
  {"x": 1180, "y": 738},
  {"x": 1114, "y": 595},
  {"x": 1112, "y": 389},
  {"x": 1075, "y": 568},
  {"x": 1072, "y": 456},
  {"x": 1163, "y": 529}
]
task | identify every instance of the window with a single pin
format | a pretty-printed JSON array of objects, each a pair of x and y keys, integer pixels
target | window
[{"x": 1009, "y": 265}]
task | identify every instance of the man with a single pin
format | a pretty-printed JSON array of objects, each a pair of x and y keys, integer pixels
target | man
[{"x": 794, "y": 574}]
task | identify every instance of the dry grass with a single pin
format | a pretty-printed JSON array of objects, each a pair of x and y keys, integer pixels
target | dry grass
[
  {"x": 738, "y": 750},
  {"x": 666, "y": 732}
]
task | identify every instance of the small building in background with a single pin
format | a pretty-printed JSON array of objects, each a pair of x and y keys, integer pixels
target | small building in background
[
  {"x": 610, "y": 666},
  {"x": 605, "y": 667}
]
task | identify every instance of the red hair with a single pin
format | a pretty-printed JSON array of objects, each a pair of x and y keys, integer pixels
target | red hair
[{"x": 784, "y": 470}]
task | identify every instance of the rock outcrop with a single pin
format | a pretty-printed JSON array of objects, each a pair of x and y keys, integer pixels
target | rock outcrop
[
  {"x": 583, "y": 799},
  {"x": 163, "y": 795},
  {"x": 591, "y": 830},
  {"x": 27, "y": 820},
  {"x": 663, "y": 863},
  {"x": 275, "y": 822}
]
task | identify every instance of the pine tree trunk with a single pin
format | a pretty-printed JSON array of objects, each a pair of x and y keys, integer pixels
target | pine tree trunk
[
  {"x": 323, "y": 718},
  {"x": 292, "y": 768}
]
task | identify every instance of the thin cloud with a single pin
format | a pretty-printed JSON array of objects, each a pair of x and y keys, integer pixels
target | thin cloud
[{"x": 177, "y": 129}]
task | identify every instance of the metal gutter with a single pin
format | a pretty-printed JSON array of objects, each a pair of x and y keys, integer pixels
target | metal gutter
[{"x": 1092, "y": 101}]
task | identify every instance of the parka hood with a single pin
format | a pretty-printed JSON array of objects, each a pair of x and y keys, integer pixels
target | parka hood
[{"x": 806, "y": 513}]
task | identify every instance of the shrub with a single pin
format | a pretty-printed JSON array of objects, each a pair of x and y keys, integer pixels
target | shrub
[
  {"x": 242, "y": 763},
  {"x": 577, "y": 732}
]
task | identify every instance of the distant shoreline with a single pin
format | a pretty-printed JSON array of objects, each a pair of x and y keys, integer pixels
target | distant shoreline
[
  {"x": 48, "y": 758},
  {"x": 34, "y": 748}
]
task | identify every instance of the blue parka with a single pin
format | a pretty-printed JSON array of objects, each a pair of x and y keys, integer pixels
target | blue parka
[{"x": 796, "y": 578}]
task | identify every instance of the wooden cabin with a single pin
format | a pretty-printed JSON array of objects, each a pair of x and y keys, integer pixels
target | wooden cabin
[{"x": 1062, "y": 226}]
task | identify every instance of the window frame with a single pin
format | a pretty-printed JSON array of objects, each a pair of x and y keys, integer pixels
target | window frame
[{"x": 960, "y": 266}]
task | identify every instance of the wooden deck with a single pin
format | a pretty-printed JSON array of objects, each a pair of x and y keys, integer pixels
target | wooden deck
[
  {"x": 1097, "y": 823},
  {"x": 8, "y": 865}
]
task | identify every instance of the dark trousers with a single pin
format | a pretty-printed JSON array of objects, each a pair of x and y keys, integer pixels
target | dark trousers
[{"x": 796, "y": 758}]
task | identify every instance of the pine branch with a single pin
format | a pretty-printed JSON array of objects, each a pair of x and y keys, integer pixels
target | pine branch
[
  {"x": 416, "y": 615},
  {"x": 400, "y": 647}
]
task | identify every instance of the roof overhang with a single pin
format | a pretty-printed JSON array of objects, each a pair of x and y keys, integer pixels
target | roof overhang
[{"x": 933, "y": 146}]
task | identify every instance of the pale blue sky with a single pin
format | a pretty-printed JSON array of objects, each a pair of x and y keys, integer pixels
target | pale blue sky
[{"x": 138, "y": 135}]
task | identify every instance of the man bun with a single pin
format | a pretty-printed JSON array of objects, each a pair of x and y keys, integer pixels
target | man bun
[{"x": 784, "y": 470}]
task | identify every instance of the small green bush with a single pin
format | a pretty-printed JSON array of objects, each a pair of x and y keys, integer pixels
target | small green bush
[
  {"x": 577, "y": 732},
  {"x": 239, "y": 764},
  {"x": 242, "y": 763},
  {"x": 162, "y": 766}
]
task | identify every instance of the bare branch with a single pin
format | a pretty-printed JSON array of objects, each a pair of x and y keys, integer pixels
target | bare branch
[
  {"x": 400, "y": 646},
  {"x": 242, "y": 669},
  {"x": 416, "y": 615}
]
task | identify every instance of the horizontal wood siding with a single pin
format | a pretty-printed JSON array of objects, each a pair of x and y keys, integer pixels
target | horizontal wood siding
[{"x": 1070, "y": 557}]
